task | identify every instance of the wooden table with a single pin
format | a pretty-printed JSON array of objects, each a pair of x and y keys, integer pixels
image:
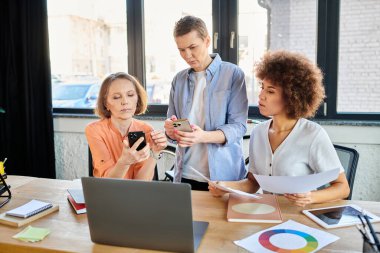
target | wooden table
[{"x": 70, "y": 233}]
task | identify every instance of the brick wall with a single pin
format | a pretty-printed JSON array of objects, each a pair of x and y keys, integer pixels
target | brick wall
[
  {"x": 359, "y": 56},
  {"x": 294, "y": 28}
]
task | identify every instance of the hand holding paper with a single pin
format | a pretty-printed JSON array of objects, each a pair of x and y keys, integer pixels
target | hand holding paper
[
  {"x": 227, "y": 189},
  {"x": 297, "y": 184}
]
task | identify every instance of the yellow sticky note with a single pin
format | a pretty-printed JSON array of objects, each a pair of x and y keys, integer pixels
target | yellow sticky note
[
  {"x": 1, "y": 168},
  {"x": 32, "y": 234}
]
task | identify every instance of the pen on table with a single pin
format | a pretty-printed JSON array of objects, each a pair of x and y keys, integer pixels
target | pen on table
[{"x": 373, "y": 233}]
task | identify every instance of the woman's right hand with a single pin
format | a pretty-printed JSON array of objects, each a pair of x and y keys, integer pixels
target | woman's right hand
[
  {"x": 216, "y": 192},
  {"x": 169, "y": 128},
  {"x": 130, "y": 155}
]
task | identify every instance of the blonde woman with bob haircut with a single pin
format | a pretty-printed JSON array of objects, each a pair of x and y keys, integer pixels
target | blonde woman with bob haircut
[{"x": 121, "y": 97}]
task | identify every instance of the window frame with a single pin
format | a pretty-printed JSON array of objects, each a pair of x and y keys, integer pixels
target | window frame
[
  {"x": 225, "y": 20},
  {"x": 328, "y": 60}
]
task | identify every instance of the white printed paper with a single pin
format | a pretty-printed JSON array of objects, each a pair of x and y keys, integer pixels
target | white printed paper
[
  {"x": 289, "y": 236},
  {"x": 297, "y": 184}
]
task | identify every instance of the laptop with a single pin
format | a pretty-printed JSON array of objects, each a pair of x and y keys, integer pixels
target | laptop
[{"x": 138, "y": 214}]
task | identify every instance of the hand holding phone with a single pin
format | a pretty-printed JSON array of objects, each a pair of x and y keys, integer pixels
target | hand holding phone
[
  {"x": 169, "y": 128},
  {"x": 182, "y": 125},
  {"x": 134, "y": 136}
]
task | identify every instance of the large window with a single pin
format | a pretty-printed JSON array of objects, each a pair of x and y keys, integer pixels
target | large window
[
  {"x": 359, "y": 57},
  {"x": 162, "y": 59},
  {"x": 276, "y": 24},
  {"x": 88, "y": 40},
  {"x": 253, "y": 42}
]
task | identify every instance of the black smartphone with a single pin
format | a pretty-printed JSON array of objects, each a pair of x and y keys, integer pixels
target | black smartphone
[{"x": 134, "y": 136}]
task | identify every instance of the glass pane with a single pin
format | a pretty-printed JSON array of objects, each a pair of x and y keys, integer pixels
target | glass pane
[
  {"x": 359, "y": 57},
  {"x": 277, "y": 24},
  {"x": 87, "y": 40},
  {"x": 162, "y": 57}
]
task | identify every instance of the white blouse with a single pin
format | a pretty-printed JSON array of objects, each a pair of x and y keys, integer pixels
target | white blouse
[{"x": 306, "y": 150}]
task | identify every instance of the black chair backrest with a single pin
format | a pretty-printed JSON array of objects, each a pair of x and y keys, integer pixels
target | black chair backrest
[
  {"x": 90, "y": 166},
  {"x": 155, "y": 175},
  {"x": 349, "y": 158},
  {"x": 247, "y": 138}
]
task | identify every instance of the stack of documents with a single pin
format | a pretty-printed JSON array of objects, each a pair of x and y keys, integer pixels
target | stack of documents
[{"x": 76, "y": 200}]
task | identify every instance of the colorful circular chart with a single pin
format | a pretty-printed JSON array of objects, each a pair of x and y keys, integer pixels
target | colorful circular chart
[
  {"x": 311, "y": 242},
  {"x": 253, "y": 208}
]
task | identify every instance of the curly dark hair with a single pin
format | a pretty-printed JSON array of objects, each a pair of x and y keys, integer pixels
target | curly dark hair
[{"x": 300, "y": 79}]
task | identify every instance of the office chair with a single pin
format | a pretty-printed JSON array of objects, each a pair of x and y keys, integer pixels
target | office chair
[
  {"x": 349, "y": 158},
  {"x": 246, "y": 138},
  {"x": 91, "y": 167},
  {"x": 167, "y": 161}
]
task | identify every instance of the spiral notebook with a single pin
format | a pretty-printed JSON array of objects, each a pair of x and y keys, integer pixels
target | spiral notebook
[{"x": 29, "y": 209}]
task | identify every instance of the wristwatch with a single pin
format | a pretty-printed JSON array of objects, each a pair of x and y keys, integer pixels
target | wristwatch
[{"x": 155, "y": 156}]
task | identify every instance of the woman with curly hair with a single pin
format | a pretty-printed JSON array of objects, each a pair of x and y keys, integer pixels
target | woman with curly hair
[{"x": 288, "y": 144}]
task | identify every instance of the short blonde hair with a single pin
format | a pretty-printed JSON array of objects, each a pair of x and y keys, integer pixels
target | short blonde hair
[
  {"x": 188, "y": 24},
  {"x": 142, "y": 102}
]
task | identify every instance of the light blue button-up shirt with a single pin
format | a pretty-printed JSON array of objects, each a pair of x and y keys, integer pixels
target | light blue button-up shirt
[{"x": 226, "y": 109}]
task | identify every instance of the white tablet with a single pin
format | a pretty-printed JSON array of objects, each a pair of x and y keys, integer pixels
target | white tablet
[{"x": 338, "y": 216}]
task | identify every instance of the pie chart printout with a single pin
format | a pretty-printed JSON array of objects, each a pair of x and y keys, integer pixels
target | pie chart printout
[{"x": 311, "y": 242}]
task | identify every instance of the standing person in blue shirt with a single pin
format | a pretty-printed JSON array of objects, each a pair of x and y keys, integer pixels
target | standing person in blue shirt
[{"x": 212, "y": 95}]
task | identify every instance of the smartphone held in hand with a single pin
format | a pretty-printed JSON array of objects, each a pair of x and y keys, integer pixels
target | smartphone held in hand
[
  {"x": 134, "y": 136},
  {"x": 182, "y": 125}
]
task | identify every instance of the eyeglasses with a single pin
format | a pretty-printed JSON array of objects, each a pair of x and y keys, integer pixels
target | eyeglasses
[{"x": 5, "y": 192}]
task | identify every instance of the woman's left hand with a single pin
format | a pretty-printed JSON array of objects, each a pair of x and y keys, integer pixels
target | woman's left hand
[
  {"x": 187, "y": 139},
  {"x": 300, "y": 199},
  {"x": 159, "y": 140}
]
